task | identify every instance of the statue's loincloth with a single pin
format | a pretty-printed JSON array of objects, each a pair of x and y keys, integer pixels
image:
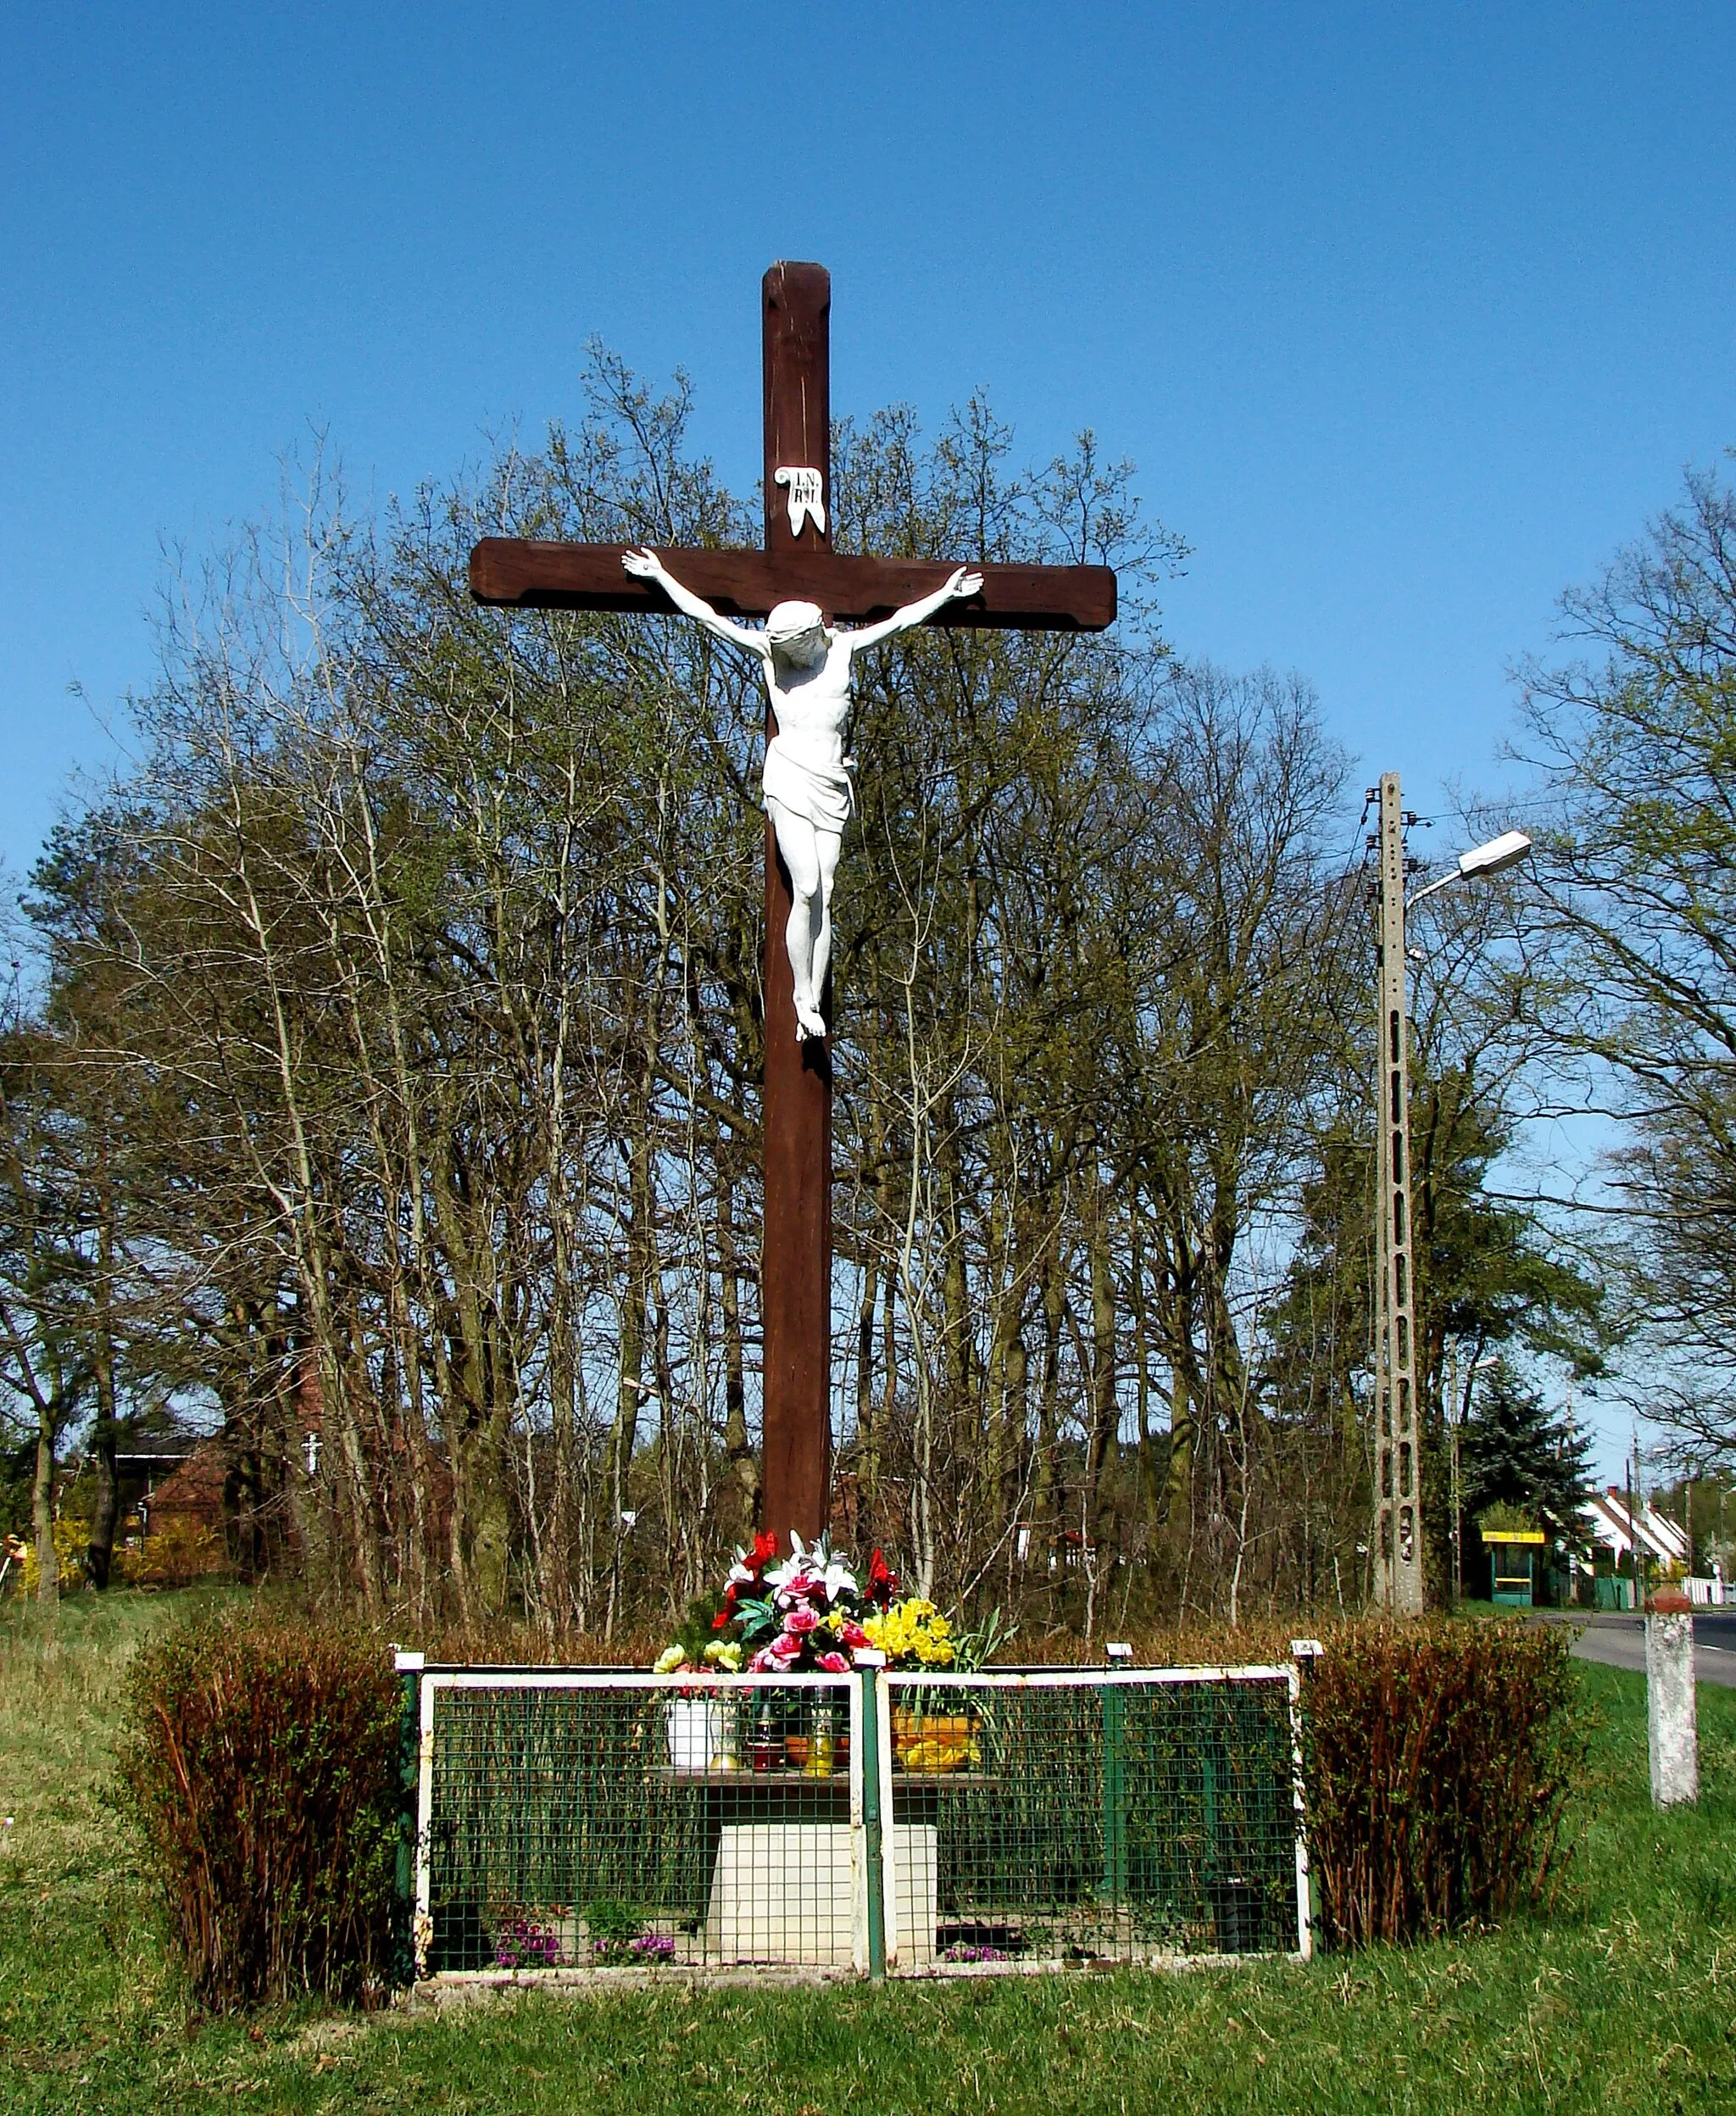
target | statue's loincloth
[{"x": 825, "y": 793}]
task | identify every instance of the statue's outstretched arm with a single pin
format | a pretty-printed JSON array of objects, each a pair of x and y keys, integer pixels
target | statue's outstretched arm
[
  {"x": 961, "y": 584},
  {"x": 646, "y": 565}
]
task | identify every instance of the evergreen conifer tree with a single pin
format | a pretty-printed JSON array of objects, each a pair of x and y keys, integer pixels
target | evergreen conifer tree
[{"x": 1516, "y": 1452}]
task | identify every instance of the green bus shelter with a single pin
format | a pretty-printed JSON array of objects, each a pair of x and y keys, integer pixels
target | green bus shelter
[{"x": 1512, "y": 1558}]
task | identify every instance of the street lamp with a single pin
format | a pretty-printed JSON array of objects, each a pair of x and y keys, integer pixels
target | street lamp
[
  {"x": 1398, "y": 1481},
  {"x": 1494, "y": 858}
]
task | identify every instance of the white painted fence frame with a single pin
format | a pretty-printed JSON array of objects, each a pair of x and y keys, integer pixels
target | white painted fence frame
[{"x": 433, "y": 1681}]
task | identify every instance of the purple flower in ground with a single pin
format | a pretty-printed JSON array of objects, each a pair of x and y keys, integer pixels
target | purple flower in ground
[
  {"x": 962, "y": 1951},
  {"x": 644, "y": 1946},
  {"x": 522, "y": 1944}
]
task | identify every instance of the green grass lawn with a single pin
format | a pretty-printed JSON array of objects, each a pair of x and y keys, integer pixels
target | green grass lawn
[{"x": 1623, "y": 1999}]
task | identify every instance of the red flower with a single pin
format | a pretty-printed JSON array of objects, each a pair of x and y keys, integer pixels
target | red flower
[
  {"x": 882, "y": 1583},
  {"x": 720, "y": 1619},
  {"x": 765, "y": 1547},
  {"x": 852, "y": 1635},
  {"x": 834, "y": 1664}
]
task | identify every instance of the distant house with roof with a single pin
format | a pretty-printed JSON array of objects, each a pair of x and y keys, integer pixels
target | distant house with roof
[
  {"x": 175, "y": 1531},
  {"x": 1616, "y": 1530},
  {"x": 1662, "y": 1543}
]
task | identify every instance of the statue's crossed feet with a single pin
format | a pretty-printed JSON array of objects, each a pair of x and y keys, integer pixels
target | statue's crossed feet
[{"x": 809, "y": 1022}]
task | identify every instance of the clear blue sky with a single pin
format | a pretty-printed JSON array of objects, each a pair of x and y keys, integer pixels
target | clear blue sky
[{"x": 1408, "y": 316}]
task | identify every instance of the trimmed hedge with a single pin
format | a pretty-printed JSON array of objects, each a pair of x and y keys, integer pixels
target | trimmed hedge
[
  {"x": 260, "y": 1759},
  {"x": 1438, "y": 1759}
]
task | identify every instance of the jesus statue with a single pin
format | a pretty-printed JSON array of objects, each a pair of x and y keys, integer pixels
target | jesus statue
[{"x": 807, "y": 786}]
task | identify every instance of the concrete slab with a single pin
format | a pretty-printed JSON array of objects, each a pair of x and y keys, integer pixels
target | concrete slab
[{"x": 786, "y": 1892}]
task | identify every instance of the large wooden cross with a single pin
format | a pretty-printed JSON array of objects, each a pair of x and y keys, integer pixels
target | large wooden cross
[{"x": 797, "y": 563}]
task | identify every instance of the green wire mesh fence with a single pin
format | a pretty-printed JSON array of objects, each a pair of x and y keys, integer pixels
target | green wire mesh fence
[
  {"x": 585, "y": 1819},
  {"x": 1053, "y": 1816},
  {"x": 576, "y": 1820}
]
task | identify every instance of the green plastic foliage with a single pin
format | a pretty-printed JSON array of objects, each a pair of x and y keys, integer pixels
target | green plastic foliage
[
  {"x": 260, "y": 1760},
  {"x": 1439, "y": 1759}
]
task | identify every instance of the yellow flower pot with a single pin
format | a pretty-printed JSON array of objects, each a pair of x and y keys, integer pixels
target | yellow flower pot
[{"x": 922, "y": 1741}]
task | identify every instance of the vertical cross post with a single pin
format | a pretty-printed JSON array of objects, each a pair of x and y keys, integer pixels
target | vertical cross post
[
  {"x": 795, "y": 1273},
  {"x": 797, "y": 563}
]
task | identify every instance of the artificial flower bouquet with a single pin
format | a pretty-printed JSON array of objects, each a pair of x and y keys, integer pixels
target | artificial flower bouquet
[
  {"x": 807, "y": 1613},
  {"x": 802, "y": 1614},
  {"x": 913, "y": 1634}
]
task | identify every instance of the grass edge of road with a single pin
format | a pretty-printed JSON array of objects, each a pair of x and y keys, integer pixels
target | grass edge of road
[{"x": 1616, "y": 2000}]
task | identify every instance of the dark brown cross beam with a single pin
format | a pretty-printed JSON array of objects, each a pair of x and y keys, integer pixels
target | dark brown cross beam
[{"x": 797, "y": 563}]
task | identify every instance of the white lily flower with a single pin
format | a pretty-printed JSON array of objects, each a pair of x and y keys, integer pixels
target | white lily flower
[
  {"x": 812, "y": 1570},
  {"x": 795, "y": 1564}
]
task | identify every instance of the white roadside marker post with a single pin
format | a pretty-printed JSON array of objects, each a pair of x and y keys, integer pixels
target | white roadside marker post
[{"x": 1672, "y": 1733}]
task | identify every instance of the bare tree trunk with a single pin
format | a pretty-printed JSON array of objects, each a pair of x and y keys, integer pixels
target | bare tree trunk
[
  {"x": 1099, "y": 1509},
  {"x": 1151, "y": 1482},
  {"x": 631, "y": 1386},
  {"x": 999, "y": 1481},
  {"x": 742, "y": 1472},
  {"x": 42, "y": 1515},
  {"x": 1184, "y": 1427},
  {"x": 100, "y": 1556},
  {"x": 1045, "y": 1516}
]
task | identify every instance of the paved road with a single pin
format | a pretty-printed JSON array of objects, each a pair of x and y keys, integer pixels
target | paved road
[{"x": 1618, "y": 1640}]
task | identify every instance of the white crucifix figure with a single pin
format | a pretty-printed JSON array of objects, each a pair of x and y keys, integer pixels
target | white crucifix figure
[
  {"x": 809, "y": 792},
  {"x": 806, "y": 504}
]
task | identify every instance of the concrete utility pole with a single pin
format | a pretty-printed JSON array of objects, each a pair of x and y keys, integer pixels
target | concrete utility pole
[
  {"x": 1398, "y": 1447},
  {"x": 1398, "y": 1452}
]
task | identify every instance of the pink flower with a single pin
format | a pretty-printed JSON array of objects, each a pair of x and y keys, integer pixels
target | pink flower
[
  {"x": 801, "y": 1620},
  {"x": 763, "y": 1662},
  {"x": 834, "y": 1664},
  {"x": 783, "y": 1649},
  {"x": 852, "y": 1635}
]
